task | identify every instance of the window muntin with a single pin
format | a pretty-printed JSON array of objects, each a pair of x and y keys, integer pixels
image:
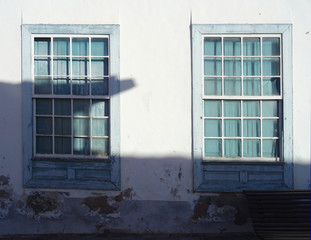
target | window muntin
[
  {"x": 71, "y": 98},
  {"x": 242, "y": 97}
]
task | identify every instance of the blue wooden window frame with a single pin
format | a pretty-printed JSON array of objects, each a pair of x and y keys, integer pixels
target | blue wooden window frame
[
  {"x": 236, "y": 176},
  {"x": 75, "y": 173}
]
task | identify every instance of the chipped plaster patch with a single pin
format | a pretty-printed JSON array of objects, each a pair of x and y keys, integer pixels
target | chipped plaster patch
[{"x": 5, "y": 196}]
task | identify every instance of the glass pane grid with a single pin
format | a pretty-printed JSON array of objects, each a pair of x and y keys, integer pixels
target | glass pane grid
[{"x": 60, "y": 130}]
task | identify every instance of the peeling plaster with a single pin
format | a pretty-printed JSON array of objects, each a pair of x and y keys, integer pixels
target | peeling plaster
[{"x": 5, "y": 196}]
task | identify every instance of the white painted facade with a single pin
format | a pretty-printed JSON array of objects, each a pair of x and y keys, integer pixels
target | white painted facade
[{"x": 156, "y": 113}]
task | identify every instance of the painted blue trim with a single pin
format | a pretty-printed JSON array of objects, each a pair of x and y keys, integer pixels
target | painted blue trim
[
  {"x": 198, "y": 30},
  {"x": 113, "y": 167}
]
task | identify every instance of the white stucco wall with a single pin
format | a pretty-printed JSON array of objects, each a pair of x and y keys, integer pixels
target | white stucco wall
[{"x": 156, "y": 54}]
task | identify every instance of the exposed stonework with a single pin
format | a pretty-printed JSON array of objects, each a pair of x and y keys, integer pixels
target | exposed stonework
[
  {"x": 5, "y": 196},
  {"x": 42, "y": 205}
]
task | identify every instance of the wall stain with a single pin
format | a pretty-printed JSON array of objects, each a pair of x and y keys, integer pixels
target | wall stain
[
  {"x": 201, "y": 208},
  {"x": 99, "y": 204},
  {"x": 5, "y": 196}
]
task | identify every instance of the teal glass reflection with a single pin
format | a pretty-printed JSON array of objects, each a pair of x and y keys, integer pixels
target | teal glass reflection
[
  {"x": 271, "y": 86},
  {"x": 80, "y": 46},
  {"x": 232, "y": 86},
  {"x": 270, "y": 148},
  {"x": 212, "y": 108},
  {"x": 81, "y": 126},
  {"x": 62, "y": 145},
  {"x": 270, "y": 128},
  {"x": 100, "y": 146},
  {"x": 271, "y": 66},
  {"x": 212, "y": 46},
  {"x": 251, "y": 46},
  {"x": 100, "y": 127},
  {"x": 43, "y": 85},
  {"x": 81, "y": 146},
  {"x": 251, "y": 108},
  {"x": 42, "y": 46},
  {"x": 232, "y": 109},
  {"x": 232, "y": 46},
  {"x": 100, "y": 86},
  {"x": 212, "y": 86},
  {"x": 251, "y": 148},
  {"x": 43, "y": 106},
  {"x": 212, "y": 66},
  {"x": 44, "y": 145},
  {"x": 251, "y": 128},
  {"x": 270, "y": 109},
  {"x": 99, "y": 66},
  {"x": 61, "y": 66},
  {"x": 81, "y": 107},
  {"x": 80, "y": 66},
  {"x": 42, "y": 66},
  {"x": 62, "y": 126},
  {"x": 251, "y": 86},
  {"x": 232, "y": 66},
  {"x": 100, "y": 108},
  {"x": 80, "y": 86},
  {"x": 251, "y": 66},
  {"x": 212, "y": 128},
  {"x": 232, "y": 128},
  {"x": 61, "y": 85},
  {"x": 212, "y": 147},
  {"x": 270, "y": 46},
  {"x": 232, "y": 148},
  {"x": 99, "y": 47},
  {"x": 43, "y": 125},
  {"x": 61, "y": 46}
]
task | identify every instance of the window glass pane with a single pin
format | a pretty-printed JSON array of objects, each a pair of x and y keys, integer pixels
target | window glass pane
[
  {"x": 271, "y": 86},
  {"x": 251, "y": 148},
  {"x": 212, "y": 86},
  {"x": 99, "y": 46},
  {"x": 251, "y": 66},
  {"x": 43, "y": 125},
  {"x": 271, "y": 66},
  {"x": 251, "y": 46},
  {"x": 213, "y": 147},
  {"x": 100, "y": 146},
  {"x": 212, "y": 108},
  {"x": 212, "y": 46},
  {"x": 81, "y": 126},
  {"x": 232, "y": 148},
  {"x": 270, "y": 128},
  {"x": 61, "y": 46},
  {"x": 80, "y": 86},
  {"x": 81, "y": 107},
  {"x": 232, "y": 128},
  {"x": 43, "y": 106},
  {"x": 232, "y": 46},
  {"x": 99, "y": 66},
  {"x": 81, "y": 146},
  {"x": 100, "y": 127},
  {"x": 270, "y": 109},
  {"x": 80, "y": 66},
  {"x": 212, "y": 66},
  {"x": 62, "y": 126},
  {"x": 251, "y": 108},
  {"x": 212, "y": 128},
  {"x": 62, "y": 107},
  {"x": 270, "y": 148},
  {"x": 232, "y": 109},
  {"x": 42, "y": 66},
  {"x": 232, "y": 66},
  {"x": 43, "y": 85},
  {"x": 100, "y": 108},
  {"x": 251, "y": 128},
  {"x": 62, "y": 145},
  {"x": 232, "y": 86},
  {"x": 80, "y": 46},
  {"x": 100, "y": 86},
  {"x": 271, "y": 46},
  {"x": 61, "y": 85},
  {"x": 43, "y": 145},
  {"x": 61, "y": 66},
  {"x": 42, "y": 46},
  {"x": 251, "y": 86}
]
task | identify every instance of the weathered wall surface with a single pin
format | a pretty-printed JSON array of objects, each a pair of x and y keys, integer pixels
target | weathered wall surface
[{"x": 156, "y": 164}]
